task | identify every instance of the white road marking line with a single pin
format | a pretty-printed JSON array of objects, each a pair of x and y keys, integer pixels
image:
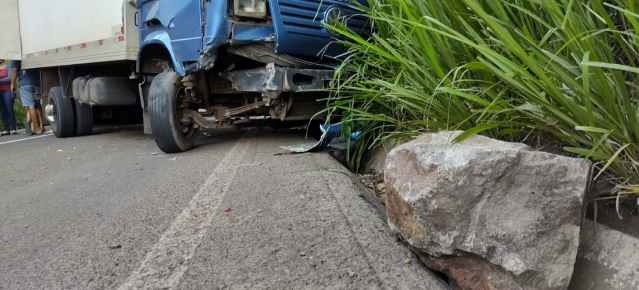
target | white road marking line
[
  {"x": 165, "y": 264},
  {"x": 51, "y": 134},
  {"x": 25, "y": 139}
]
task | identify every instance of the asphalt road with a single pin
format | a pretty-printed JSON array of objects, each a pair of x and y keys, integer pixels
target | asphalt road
[{"x": 111, "y": 211}]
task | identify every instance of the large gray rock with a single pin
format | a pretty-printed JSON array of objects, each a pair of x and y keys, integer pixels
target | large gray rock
[
  {"x": 607, "y": 259},
  {"x": 489, "y": 214}
]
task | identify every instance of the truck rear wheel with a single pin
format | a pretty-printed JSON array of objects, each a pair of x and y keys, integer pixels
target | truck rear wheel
[
  {"x": 59, "y": 112},
  {"x": 83, "y": 119},
  {"x": 169, "y": 133}
]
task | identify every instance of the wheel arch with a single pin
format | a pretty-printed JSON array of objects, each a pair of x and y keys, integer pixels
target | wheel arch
[{"x": 156, "y": 49}]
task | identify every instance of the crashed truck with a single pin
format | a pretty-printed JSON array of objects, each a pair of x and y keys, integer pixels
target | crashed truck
[{"x": 181, "y": 65}]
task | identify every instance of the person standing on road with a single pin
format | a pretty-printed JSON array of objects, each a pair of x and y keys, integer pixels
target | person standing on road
[
  {"x": 6, "y": 100},
  {"x": 29, "y": 85}
]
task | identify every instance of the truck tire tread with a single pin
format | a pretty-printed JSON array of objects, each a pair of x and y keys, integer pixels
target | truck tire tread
[
  {"x": 83, "y": 119},
  {"x": 64, "y": 125},
  {"x": 164, "y": 123}
]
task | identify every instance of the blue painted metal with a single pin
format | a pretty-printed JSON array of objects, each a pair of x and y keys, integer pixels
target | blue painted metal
[
  {"x": 160, "y": 37},
  {"x": 219, "y": 28},
  {"x": 297, "y": 29},
  {"x": 250, "y": 32},
  {"x": 218, "y": 25},
  {"x": 180, "y": 19}
]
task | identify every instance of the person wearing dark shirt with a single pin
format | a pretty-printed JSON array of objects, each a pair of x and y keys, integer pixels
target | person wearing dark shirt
[
  {"x": 28, "y": 83},
  {"x": 6, "y": 100}
]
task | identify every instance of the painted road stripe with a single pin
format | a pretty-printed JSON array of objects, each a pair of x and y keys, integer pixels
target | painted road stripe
[
  {"x": 49, "y": 133},
  {"x": 167, "y": 261},
  {"x": 28, "y": 138}
]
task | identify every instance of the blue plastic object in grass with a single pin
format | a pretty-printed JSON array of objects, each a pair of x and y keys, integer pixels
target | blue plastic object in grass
[{"x": 332, "y": 136}]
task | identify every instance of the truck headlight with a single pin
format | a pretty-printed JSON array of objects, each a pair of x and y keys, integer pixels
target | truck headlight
[{"x": 250, "y": 8}]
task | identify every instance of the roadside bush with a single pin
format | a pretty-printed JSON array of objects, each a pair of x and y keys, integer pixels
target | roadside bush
[{"x": 509, "y": 69}]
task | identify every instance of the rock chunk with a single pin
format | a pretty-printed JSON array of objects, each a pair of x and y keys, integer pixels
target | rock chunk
[{"x": 489, "y": 214}]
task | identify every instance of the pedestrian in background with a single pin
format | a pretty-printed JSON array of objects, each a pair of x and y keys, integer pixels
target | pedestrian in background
[
  {"x": 6, "y": 100},
  {"x": 28, "y": 83}
]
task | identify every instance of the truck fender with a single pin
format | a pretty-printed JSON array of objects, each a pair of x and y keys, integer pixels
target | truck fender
[{"x": 155, "y": 41}]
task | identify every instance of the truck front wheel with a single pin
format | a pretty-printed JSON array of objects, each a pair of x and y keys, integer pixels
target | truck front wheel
[
  {"x": 165, "y": 99},
  {"x": 59, "y": 112}
]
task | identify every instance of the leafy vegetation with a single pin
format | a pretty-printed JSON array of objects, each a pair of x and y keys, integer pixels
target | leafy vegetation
[{"x": 508, "y": 69}]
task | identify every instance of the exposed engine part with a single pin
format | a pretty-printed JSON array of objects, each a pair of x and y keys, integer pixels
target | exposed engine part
[
  {"x": 222, "y": 112},
  {"x": 218, "y": 111},
  {"x": 271, "y": 96},
  {"x": 201, "y": 122},
  {"x": 190, "y": 83},
  {"x": 281, "y": 110},
  {"x": 244, "y": 109},
  {"x": 225, "y": 114}
]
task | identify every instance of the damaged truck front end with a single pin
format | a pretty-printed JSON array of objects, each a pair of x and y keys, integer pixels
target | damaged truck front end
[{"x": 216, "y": 64}]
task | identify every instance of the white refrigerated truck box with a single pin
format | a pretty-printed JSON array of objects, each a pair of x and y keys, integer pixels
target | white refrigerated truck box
[
  {"x": 10, "y": 31},
  {"x": 68, "y": 32}
]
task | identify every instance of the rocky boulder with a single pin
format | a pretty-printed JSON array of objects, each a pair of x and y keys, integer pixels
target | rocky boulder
[{"x": 489, "y": 214}]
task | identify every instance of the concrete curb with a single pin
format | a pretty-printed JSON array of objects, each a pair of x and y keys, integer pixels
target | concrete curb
[
  {"x": 367, "y": 217},
  {"x": 300, "y": 221}
]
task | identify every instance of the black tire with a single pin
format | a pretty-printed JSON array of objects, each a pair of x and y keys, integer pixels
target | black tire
[
  {"x": 61, "y": 117},
  {"x": 167, "y": 131},
  {"x": 83, "y": 119}
]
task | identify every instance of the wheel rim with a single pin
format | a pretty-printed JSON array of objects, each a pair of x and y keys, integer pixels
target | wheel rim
[
  {"x": 51, "y": 112},
  {"x": 186, "y": 129}
]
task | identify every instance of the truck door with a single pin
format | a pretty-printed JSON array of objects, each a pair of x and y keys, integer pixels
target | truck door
[
  {"x": 10, "y": 42},
  {"x": 182, "y": 20}
]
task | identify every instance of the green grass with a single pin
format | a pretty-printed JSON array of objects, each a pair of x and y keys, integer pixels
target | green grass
[{"x": 507, "y": 69}]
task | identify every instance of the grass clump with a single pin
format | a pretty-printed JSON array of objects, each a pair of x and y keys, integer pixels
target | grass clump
[{"x": 501, "y": 68}]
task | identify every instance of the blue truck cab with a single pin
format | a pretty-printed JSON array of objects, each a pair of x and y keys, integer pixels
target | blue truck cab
[{"x": 224, "y": 63}]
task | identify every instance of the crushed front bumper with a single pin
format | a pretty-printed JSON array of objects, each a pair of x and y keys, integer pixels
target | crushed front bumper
[{"x": 280, "y": 79}]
